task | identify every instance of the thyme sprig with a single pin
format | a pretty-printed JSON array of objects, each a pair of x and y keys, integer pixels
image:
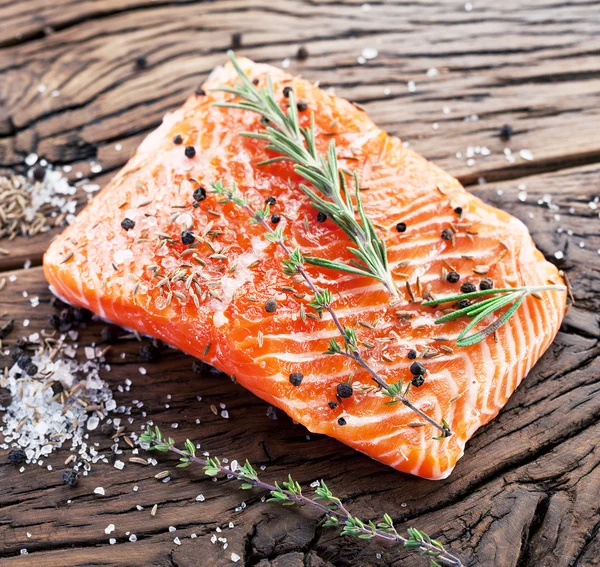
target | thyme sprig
[
  {"x": 322, "y": 300},
  {"x": 512, "y": 296},
  {"x": 329, "y": 194},
  {"x": 289, "y": 492}
]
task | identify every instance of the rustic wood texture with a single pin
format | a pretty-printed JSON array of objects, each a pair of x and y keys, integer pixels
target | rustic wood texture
[{"x": 527, "y": 492}]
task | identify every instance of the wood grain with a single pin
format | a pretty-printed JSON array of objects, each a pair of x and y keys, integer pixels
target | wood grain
[{"x": 526, "y": 493}]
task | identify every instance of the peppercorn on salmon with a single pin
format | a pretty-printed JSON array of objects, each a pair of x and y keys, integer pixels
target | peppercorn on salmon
[{"x": 158, "y": 252}]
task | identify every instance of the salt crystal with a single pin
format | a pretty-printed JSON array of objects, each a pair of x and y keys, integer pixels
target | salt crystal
[
  {"x": 118, "y": 147},
  {"x": 119, "y": 465},
  {"x": 522, "y": 196},
  {"x": 132, "y": 537},
  {"x": 92, "y": 422},
  {"x": 369, "y": 53},
  {"x": 96, "y": 168},
  {"x": 172, "y": 528},
  {"x": 99, "y": 490},
  {"x": 526, "y": 155},
  {"x": 24, "y": 551},
  {"x": 112, "y": 541},
  {"x": 109, "y": 529},
  {"x": 200, "y": 498},
  {"x": 25, "y": 322},
  {"x": 432, "y": 72},
  {"x": 177, "y": 541},
  {"x": 387, "y": 91},
  {"x": 468, "y": 7},
  {"x": 143, "y": 371},
  {"x": 31, "y": 159},
  {"x": 225, "y": 414},
  {"x": 412, "y": 86},
  {"x": 235, "y": 557},
  {"x": 285, "y": 63},
  {"x": 559, "y": 255}
]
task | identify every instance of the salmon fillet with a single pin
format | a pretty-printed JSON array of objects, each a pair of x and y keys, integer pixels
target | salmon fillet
[{"x": 209, "y": 300}]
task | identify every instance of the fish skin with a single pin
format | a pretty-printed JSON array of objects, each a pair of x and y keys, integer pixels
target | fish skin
[{"x": 108, "y": 274}]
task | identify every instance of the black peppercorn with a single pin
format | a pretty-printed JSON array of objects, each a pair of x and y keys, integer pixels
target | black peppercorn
[
  {"x": 506, "y": 132},
  {"x": 418, "y": 381},
  {"x": 296, "y": 378},
  {"x": 453, "y": 277},
  {"x": 468, "y": 287},
  {"x": 65, "y": 316},
  {"x": 344, "y": 390},
  {"x": 39, "y": 173},
  {"x": 16, "y": 456},
  {"x": 57, "y": 387},
  {"x": 275, "y": 218},
  {"x": 417, "y": 369},
  {"x": 57, "y": 303},
  {"x": 401, "y": 227},
  {"x": 286, "y": 91},
  {"x": 200, "y": 91},
  {"x": 463, "y": 303},
  {"x": 458, "y": 210},
  {"x": 199, "y": 194},
  {"x": 107, "y": 429},
  {"x": 31, "y": 369},
  {"x": 70, "y": 477},
  {"x": 148, "y": 353},
  {"x": 127, "y": 224},
  {"x": 447, "y": 234},
  {"x": 332, "y": 405},
  {"x": 412, "y": 354},
  {"x": 7, "y": 328},
  {"x": 187, "y": 237},
  {"x": 177, "y": 139},
  {"x": 81, "y": 315},
  {"x": 109, "y": 334},
  {"x": 302, "y": 53},
  {"x": 255, "y": 82},
  {"x": 302, "y": 106},
  {"x": 270, "y": 305},
  {"x": 321, "y": 217},
  {"x": 141, "y": 62},
  {"x": 236, "y": 40},
  {"x": 341, "y": 421},
  {"x": 23, "y": 361},
  {"x": 486, "y": 283},
  {"x": 270, "y": 201},
  {"x": 198, "y": 366},
  {"x": 190, "y": 151}
]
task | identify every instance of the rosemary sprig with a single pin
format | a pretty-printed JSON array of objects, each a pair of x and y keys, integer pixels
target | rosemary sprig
[
  {"x": 512, "y": 296},
  {"x": 321, "y": 301},
  {"x": 290, "y": 492},
  {"x": 330, "y": 194}
]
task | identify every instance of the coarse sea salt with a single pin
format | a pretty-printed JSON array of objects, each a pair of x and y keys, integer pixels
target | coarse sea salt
[{"x": 40, "y": 424}]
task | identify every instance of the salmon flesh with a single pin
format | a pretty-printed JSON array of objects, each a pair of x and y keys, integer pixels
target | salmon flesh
[{"x": 209, "y": 298}]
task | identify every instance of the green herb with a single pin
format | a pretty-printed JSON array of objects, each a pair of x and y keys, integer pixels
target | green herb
[
  {"x": 289, "y": 493},
  {"x": 322, "y": 301},
  {"x": 329, "y": 193},
  {"x": 512, "y": 296}
]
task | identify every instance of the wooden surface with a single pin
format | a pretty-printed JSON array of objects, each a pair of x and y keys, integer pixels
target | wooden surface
[{"x": 527, "y": 492}]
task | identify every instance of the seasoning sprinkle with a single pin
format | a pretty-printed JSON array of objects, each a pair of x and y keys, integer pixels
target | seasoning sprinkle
[
  {"x": 453, "y": 277},
  {"x": 401, "y": 227},
  {"x": 344, "y": 390},
  {"x": 190, "y": 151},
  {"x": 177, "y": 139},
  {"x": 270, "y": 305}
]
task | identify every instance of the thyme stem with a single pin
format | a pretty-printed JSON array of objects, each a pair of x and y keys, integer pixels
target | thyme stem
[
  {"x": 291, "y": 492},
  {"x": 352, "y": 350}
]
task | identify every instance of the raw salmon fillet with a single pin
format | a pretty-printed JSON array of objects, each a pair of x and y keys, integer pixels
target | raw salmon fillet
[{"x": 209, "y": 300}]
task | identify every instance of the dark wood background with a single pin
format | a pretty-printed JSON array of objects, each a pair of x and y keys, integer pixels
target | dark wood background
[{"x": 527, "y": 492}]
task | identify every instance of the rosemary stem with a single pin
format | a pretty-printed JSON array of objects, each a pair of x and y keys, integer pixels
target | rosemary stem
[
  {"x": 341, "y": 512},
  {"x": 353, "y": 353}
]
